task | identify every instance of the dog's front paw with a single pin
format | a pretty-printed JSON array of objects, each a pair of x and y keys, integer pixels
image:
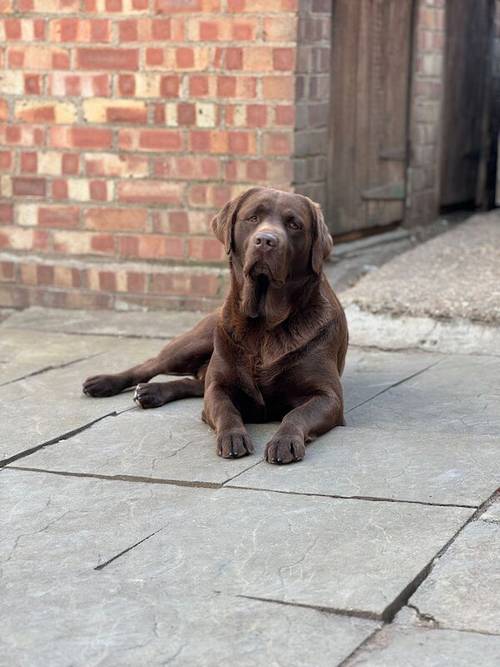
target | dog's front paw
[
  {"x": 150, "y": 395},
  {"x": 234, "y": 444},
  {"x": 102, "y": 385},
  {"x": 285, "y": 448}
]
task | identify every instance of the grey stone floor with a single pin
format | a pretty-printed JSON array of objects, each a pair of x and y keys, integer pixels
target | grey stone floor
[{"x": 125, "y": 540}]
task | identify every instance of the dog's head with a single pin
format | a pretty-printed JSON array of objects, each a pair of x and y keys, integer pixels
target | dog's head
[{"x": 274, "y": 239}]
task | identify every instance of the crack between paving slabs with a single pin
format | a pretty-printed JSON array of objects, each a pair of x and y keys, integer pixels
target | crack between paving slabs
[
  {"x": 402, "y": 599},
  {"x": 375, "y": 499},
  {"x": 51, "y": 368},
  {"x": 353, "y": 613},
  {"x": 226, "y": 485},
  {"x": 96, "y": 334},
  {"x": 101, "y": 566},
  {"x": 365, "y": 644},
  {"x": 395, "y": 384},
  {"x": 58, "y": 438}
]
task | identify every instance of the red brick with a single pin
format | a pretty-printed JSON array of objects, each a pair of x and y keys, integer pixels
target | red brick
[
  {"x": 107, "y": 281},
  {"x": 116, "y": 219},
  {"x": 234, "y": 58},
  {"x": 186, "y": 113},
  {"x": 284, "y": 59},
  {"x": 169, "y": 86},
  {"x": 70, "y": 163},
  {"x": 7, "y": 271},
  {"x": 63, "y": 217},
  {"x": 160, "y": 140},
  {"x": 128, "y": 31},
  {"x": 285, "y": 115},
  {"x": 198, "y": 85},
  {"x": 87, "y": 137},
  {"x": 32, "y": 84},
  {"x": 103, "y": 243},
  {"x": 98, "y": 190},
  {"x": 205, "y": 249},
  {"x": 29, "y": 163},
  {"x": 6, "y": 214},
  {"x": 154, "y": 56},
  {"x": 184, "y": 57},
  {"x": 30, "y": 187},
  {"x": 148, "y": 192},
  {"x": 126, "y": 84},
  {"x": 161, "y": 29},
  {"x": 5, "y": 160},
  {"x": 256, "y": 115},
  {"x": 45, "y": 275},
  {"x": 136, "y": 282},
  {"x": 277, "y": 143},
  {"x": 107, "y": 59},
  {"x": 171, "y": 6},
  {"x": 59, "y": 189}
]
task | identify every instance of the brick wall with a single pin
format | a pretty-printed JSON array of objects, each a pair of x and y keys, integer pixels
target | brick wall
[
  {"x": 125, "y": 124},
  {"x": 426, "y": 102},
  {"x": 312, "y": 96}
]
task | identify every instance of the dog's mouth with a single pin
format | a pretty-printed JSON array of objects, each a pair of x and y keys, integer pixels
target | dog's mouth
[{"x": 261, "y": 285}]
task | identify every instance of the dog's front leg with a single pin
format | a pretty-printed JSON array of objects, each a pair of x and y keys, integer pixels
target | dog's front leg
[
  {"x": 220, "y": 412},
  {"x": 316, "y": 415}
]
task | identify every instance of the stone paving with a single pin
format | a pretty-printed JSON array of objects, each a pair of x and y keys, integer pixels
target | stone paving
[{"x": 125, "y": 540}]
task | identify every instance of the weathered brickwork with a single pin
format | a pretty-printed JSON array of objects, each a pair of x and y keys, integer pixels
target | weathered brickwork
[
  {"x": 425, "y": 111},
  {"x": 312, "y": 93},
  {"x": 124, "y": 125}
]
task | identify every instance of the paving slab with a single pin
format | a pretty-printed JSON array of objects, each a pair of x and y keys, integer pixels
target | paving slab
[
  {"x": 398, "y": 465},
  {"x": 350, "y": 555},
  {"x": 110, "y": 323},
  {"x": 460, "y": 394},
  {"x": 43, "y": 407},
  {"x": 463, "y": 590},
  {"x": 131, "y": 623},
  {"x": 24, "y": 352},
  {"x": 170, "y": 443},
  {"x": 395, "y": 646},
  {"x": 369, "y": 372},
  {"x": 465, "y": 265}
]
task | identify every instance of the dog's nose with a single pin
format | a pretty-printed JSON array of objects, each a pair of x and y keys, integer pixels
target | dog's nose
[{"x": 266, "y": 240}]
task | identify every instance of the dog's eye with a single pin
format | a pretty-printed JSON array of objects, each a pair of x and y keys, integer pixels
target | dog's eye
[
  {"x": 292, "y": 224},
  {"x": 253, "y": 218}
]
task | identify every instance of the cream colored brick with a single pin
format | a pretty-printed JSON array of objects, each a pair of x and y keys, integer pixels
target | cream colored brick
[
  {"x": 11, "y": 83},
  {"x": 240, "y": 116},
  {"x": 43, "y": 112},
  {"x": 27, "y": 214},
  {"x": 171, "y": 114},
  {"x": 49, "y": 163},
  {"x": 147, "y": 85},
  {"x": 6, "y": 186},
  {"x": 78, "y": 189},
  {"x": 95, "y": 110},
  {"x": 206, "y": 114},
  {"x": 121, "y": 281}
]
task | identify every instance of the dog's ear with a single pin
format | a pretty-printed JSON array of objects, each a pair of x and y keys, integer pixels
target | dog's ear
[
  {"x": 223, "y": 222},
  {"x": 322, "y": 242}
]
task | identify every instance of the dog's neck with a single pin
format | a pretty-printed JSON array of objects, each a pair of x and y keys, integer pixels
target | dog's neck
[{"x": 250, "y": 305}]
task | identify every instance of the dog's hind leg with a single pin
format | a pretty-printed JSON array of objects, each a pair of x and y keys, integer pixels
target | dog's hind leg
[
  {"x": 154, "y": 394},
  {"x": 187, "y": 354}
]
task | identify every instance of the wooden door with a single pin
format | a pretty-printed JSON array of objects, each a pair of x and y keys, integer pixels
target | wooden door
[
  {"x": 466, "y": 103},
  {"x": 371, "y": 51}
]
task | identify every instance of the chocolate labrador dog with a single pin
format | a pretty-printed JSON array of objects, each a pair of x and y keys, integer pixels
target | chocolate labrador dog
[{"x": 276, "y": 348}]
